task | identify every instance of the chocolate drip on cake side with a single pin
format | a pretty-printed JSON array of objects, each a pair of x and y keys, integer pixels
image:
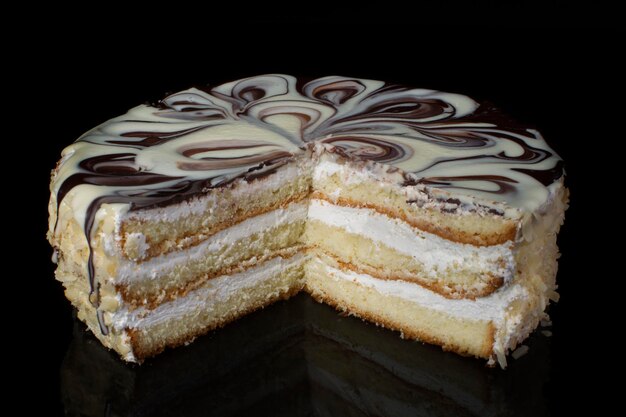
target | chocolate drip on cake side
[{"x": 200, "y": 139}]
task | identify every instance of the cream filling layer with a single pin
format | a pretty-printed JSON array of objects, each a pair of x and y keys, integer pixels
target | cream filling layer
[
  {"x": 435, "y": 253},
  {"x": 217, "y": 290},
  {"x": 492, "y": 308},
  {"x": 281, "y": 178},
  {"x": 130, "y": 271}
]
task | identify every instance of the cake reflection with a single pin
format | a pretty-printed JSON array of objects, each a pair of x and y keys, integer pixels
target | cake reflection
[{"x": 300, "y": 358}]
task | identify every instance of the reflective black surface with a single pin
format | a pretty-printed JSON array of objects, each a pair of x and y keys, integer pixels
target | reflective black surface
[{"x": 301, "y": 358}]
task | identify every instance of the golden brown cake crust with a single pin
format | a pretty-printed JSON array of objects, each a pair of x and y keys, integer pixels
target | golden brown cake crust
[{"x": 485, "y": 353}]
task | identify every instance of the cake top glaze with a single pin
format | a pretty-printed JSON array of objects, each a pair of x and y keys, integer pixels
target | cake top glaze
[{"x": 200, "y": 139}]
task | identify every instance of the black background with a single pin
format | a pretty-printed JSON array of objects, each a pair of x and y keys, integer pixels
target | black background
[{"x": 551, "y": 67}]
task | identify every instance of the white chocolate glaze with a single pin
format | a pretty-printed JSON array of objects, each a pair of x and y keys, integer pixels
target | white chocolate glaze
[{"x": 199, "y": 139}]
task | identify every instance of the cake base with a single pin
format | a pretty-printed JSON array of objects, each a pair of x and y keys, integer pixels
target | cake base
[{"x": 412, "y": 320}]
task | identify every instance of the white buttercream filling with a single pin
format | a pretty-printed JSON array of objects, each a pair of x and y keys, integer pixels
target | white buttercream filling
[
  {"x": 490, "y": 308},
  {"x": 200, "y": 206},
  {"x": 434, "y": 252},
  {"x": 203, "y": 299},
  {"x": 130, "y": 271}
]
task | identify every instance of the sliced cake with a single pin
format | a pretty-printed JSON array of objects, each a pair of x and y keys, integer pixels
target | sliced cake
[{"x": 422, "y": 211}]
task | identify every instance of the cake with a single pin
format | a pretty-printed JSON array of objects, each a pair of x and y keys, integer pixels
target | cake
[{"x": 422, "y": 211}]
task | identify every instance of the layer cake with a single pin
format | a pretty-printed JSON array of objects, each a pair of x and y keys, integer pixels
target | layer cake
[{"x": 422, "y": 211}]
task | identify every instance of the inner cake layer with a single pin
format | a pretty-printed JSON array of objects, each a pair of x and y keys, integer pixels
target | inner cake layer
[
  {"x": 218, "y": 302},
  {"x": 397, "y": 250},
  {"x": 149, "y": 233},
  {"x": 348, "y": 186},
  {"x": 236, "y": 248},
  {"x": 345, "y": 291}
]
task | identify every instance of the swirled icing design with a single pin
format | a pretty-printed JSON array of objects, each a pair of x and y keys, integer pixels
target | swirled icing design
[{"x": 197, "y": 139}]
